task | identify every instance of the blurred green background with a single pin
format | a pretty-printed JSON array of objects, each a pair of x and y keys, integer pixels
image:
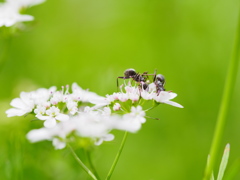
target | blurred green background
[{"x": 92, "y": 42}]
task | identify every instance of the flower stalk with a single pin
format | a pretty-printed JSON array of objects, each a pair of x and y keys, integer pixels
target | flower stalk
[
  {"x": 117, "y": 156},
  {"x": 85, "y": 168},
  {"x": 88, "y": 154},
  {"x": 228, "y": 90}
]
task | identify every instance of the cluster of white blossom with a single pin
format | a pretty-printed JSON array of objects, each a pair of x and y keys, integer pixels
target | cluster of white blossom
[
  {"x": 10, "y": 11},
  {"x": 72, "y": 113},
  {"x": 136, "y": 94}
]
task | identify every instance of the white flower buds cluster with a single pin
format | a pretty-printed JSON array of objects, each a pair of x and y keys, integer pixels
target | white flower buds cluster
[{"x": 81, "y": 113}]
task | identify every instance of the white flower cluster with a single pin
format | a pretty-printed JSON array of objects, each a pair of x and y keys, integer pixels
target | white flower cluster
[
  {"x": 81, "y": 113},
  {"x": 135, "y": 94},
  {"x": 10, "y": 11}
]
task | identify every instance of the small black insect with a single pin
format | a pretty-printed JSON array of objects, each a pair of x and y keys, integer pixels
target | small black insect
[
  {"x": 159, "y": 81},
  {"x": 139, "y": 78},
  {"x": 143, "y": 81}
]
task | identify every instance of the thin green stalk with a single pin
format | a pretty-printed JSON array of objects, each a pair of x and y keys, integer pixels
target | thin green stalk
[
  {"x": 155, "y": 105},
  {"x": 228, "y": 90},
  {"x": 82, "y": 164},
  {"x": 91, "y": 164},
  {"x": 117, "y": 156}
]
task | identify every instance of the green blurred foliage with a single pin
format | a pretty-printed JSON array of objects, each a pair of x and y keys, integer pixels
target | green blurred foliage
[{"x": 92, "y": 42}]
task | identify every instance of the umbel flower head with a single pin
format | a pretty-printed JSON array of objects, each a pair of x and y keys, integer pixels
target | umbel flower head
[
  {"x": 137, "y": 96},
  {"x": 72, "y": 113},
  {"x": 51, "y": 105}
]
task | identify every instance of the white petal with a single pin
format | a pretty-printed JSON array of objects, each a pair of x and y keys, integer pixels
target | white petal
[
  {"x": 173, "y": 104},
  {"x": 128, "y": 123},
  {"x": 99, "y": 142},
  {"x": 25, "y": 3},
  {"x": 116, "y": 106},
  {"x": 172, "y": 95},
  {"x": 50, "y": 123},
  {"x": 15, "y": 112},
  {"x": 75, "y": 87},
  {"x": 163, "y": 96},
  {"x": 25, "y": 18},
  {"x": 98, "y": 100},
  {"x": 58, "y": 144},
  {"x": 108, "y": 137},
  {"x": 17, "y": 103},
  {"x": 141, "y": 119},
  {"x": 62, "y": 117},
  {"x": 41, "y": 117},
  {"x": 38, "y": 135}
]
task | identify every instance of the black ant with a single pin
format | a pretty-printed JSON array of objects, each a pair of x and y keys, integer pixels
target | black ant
[
  {"x": 159, "y": 81},
  {"x": 139, "y": 78}
]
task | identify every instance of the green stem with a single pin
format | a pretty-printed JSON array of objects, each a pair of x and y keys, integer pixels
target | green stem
[
  {"x": 155, "y": 105},
  {"x": 82, "y": 164},
  {"x": 228, "y": 90},
  {"x": 91, "y": 164},
  {"x": 117, "y": 156}
]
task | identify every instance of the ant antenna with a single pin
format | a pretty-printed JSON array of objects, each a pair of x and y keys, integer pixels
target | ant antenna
[{"x": 152, "y": 118}]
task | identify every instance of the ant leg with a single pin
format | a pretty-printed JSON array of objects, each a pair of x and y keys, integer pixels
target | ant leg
[
  {"x": 155, "y": 75},
  {"x": 121, "y": 78},
  {"x": 145, "y": 75}
]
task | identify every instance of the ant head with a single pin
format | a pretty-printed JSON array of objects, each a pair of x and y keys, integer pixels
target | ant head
[
  {"x": 160, "y": 78},
  {"x": 130, "y": 73}
]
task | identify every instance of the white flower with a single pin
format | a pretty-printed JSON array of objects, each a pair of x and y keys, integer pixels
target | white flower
[
  {"x": 42, "y": 95},
  {"x": 57, "y": 97},
  {"x": 58, "y": 144},
  {"x": 152, "y": 87},
  {"x": 107, "y": 137},
  {"x": 112, "y": 97},
  {"x": 22, "y": 105},
  {"x": 78, "y": 94},
  {"x": 40, "y": 110},
  {"x": 60, "y": 131},
  {"x": 72, "y": 107},
  {"x": 116, "y": 107},
  {"x": 36, "y": 135},
  {"x": 122, "y": 97},
  {"x": 165, "y": 97},
  {"x": 132, "y": 121},
  {"x": 10, "y": 11},
  {"x": 149, "y": 93},
  {"x": 9, "y": 15},
  {"x": 127, "y": 122},
  {"x": 106, "y": 111},
  {"x": 25, "y": 3},
  {"x": 92, "y": 125},
  {"x": 89, "y": 125},
  {"x": 131, "y": 93},
  {"x": 146, "y": 95},
  {"x": 28, "y": 100},
  {"x": 52, "y": 115},
  {"x": 138, "y": 113}
]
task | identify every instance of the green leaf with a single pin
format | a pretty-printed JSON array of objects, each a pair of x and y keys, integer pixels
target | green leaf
[
  {"x": 224, "y": 162},
  {"x": 212, "y": 176},
  {"x": 208, "y": 159}
]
